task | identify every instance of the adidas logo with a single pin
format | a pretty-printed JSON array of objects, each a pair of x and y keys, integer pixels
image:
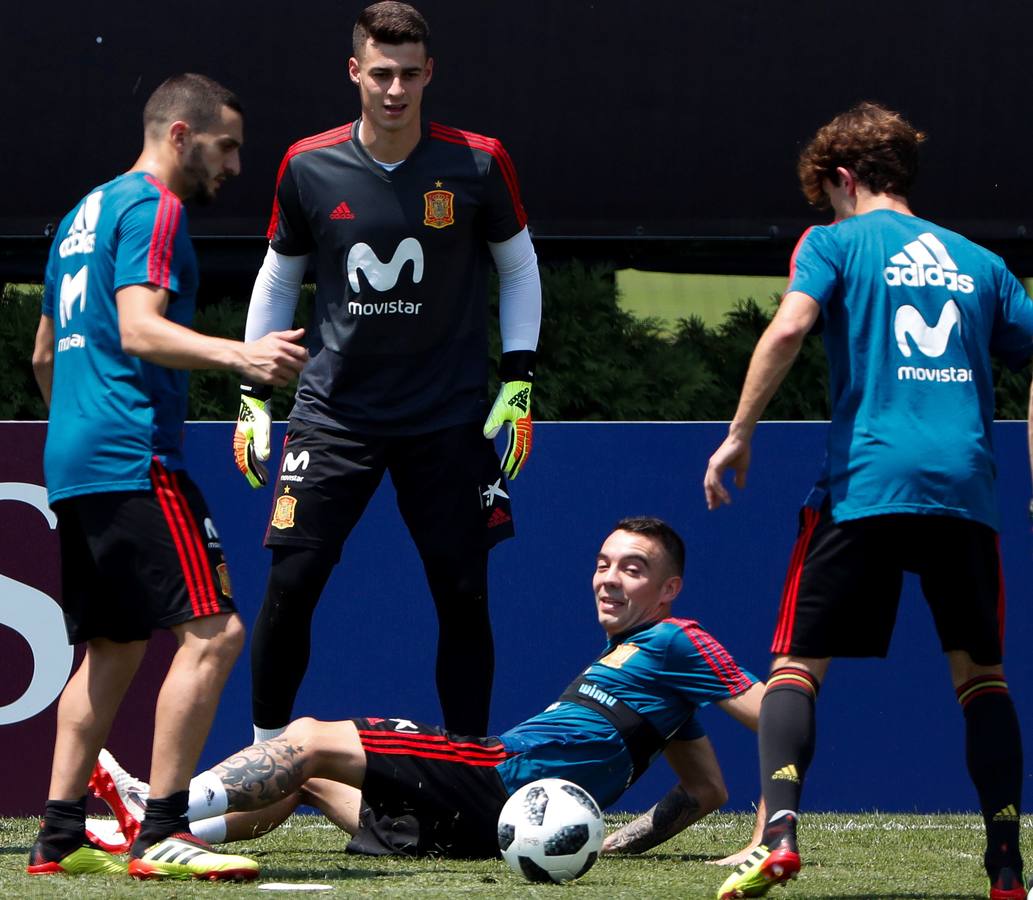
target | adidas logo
[
  {"x": 520, "y": 399},
  {"x": 82, "y": 235},
  {"x": 499, "y": 517},
  {"x": 925, "y": 261},
  {"x": 1008, "y": 814},
  {"x": 342, "y": 211},
  {"x": 786, "y": 773}
]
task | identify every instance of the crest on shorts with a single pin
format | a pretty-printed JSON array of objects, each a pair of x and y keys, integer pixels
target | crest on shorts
[
  {"x": 439, "y": 209},
  {"x": 224, "y": 580},
  {"x": 619, "y": 656},
  {"x": 283, "y": 512}
]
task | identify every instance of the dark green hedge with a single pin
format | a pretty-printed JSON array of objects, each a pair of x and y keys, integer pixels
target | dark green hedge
[{"x": 596, "y": 361}]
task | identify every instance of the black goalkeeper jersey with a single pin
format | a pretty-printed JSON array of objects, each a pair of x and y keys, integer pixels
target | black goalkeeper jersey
[{"x": 399, "y": 328}]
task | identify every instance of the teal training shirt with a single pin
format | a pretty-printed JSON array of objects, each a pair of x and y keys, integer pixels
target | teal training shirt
[
  {"x": 111, "y": 413},
  {"x": 663, "y": 670},
  {"x": 912, "y": 313}
]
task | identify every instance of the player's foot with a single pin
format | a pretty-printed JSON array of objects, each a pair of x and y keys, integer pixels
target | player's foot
[
  {"x": 1007, "y": 886},
  {"x": 126, "y": 795},
  {"x": 83, "y": 860},
  {"x": 184, "y": 856},
  {"x": 763, "y": 869}
]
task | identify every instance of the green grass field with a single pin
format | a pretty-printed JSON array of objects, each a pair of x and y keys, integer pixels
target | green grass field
[{"x": 845, "y": 856}]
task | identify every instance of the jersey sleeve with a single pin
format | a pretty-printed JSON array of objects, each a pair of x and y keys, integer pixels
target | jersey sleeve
[
  {"x": 289, "y": 232},
  {"x": 50, "y": 287},
  {"x": 146, "y": 247},
  {"x": 703, "y": 669},
  {"x": 1012, "y": 337},
  {"x": 503, "y": 212},
  {"x": 813, "y": 270}
]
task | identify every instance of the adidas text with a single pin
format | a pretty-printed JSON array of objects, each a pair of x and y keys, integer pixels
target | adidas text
[{"x": 934, "y": 276}]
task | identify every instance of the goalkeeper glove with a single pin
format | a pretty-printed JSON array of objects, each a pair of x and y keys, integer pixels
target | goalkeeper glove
[
  {"x": 512, "y": 408},
  {"x": 251, "y": 439}
]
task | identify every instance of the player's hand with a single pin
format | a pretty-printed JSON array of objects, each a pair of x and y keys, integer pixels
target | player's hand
[
  {"x": 274, "y": 359},
  {"x": 734, "y": 454},
  {"x": 512, "y": 408},
  {"x": 251, "y": 439}
]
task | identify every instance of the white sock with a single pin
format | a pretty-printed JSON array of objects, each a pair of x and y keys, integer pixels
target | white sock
[
  {"x": 212, "y": 830},
  {"x": 207, "y": 797},
  {"x": 267, "y": 734}
]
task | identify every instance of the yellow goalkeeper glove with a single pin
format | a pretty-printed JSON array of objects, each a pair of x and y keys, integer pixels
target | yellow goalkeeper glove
[
  {"x": 512, "y": 408},
  {"x": 251, "y": 439}
]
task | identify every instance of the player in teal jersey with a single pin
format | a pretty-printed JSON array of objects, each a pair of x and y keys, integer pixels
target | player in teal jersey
[
  {"x": 138, "y": 548},
  {"x": 424, "y": 789},
  {"x": 911, "y": 313}
]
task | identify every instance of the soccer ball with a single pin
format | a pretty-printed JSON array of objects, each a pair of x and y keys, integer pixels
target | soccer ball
[{"x": 550, "y": 830}]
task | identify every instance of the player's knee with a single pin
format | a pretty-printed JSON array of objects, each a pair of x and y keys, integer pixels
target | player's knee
[{"x": 302, "y": 731}]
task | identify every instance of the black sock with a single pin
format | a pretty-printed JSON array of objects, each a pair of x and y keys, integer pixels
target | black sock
[
  {"x": 64, "y": 827},
  {"x": 281, "y": 636},
  {"x": 786, "y": 747},
  {"x": 165, "y": 816},
  {"x": 466, "y": 651},
  {"x": 993, "y": 744}
]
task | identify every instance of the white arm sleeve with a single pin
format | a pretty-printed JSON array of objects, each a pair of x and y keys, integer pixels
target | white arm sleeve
[
  {"x": 520, "y": 292},
  {"x": 275, "y": 294}
]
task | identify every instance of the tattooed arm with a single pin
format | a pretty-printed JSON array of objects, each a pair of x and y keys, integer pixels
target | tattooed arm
[{"x": 699, "y": 791}]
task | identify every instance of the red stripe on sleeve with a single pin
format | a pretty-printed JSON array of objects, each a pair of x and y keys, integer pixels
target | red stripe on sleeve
[
  {"x": 325, "y": 139},
  {"x": 796, "y": 251},
  {"x": 492, "y": 146},
  {"x": 718, "y": 659},
  {"x": 163, "y": 236}
]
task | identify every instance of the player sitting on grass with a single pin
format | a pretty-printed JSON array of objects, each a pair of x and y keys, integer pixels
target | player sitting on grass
[{"x": 403, "y": 788}]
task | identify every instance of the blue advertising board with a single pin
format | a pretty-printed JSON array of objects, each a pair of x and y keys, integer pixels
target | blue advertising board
[{"x": 890, "y": 734}]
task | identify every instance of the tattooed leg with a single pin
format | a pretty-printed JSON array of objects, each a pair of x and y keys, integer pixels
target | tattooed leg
[
  {"x": 265, "y": 773},
  {"x": 261, "y": 774}
]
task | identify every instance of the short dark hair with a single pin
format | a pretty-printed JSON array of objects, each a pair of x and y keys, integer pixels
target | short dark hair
[
  {"x": 877, "y": 144},
  {"x": 662, "y": 533},
  {"x": 390, "y": 22},
  {"x": 191, "y": 98}
]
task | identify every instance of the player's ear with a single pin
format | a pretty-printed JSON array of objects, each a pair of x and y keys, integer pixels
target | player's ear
[
  {"x": 353, "y": 70},
  {"x": 428, "y": 71},
  {"x": 847, "y": 180},
  {"x": 671, "y": 588},
  {"x": 179, "y": 131}
]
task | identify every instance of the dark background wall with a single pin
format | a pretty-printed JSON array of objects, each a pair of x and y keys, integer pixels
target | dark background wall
[{"x": 663, "y": 133}]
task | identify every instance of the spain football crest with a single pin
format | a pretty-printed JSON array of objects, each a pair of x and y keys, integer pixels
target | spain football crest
[
  {"x": 283, "y": 512},
  {"x": 620, "y": 655},
  {"x": 439, "y": 209},
  {"x": 224, "y": 580}
]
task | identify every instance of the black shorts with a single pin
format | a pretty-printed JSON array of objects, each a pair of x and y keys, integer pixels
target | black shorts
[
  {"x": 450, "y": 490},
  {"x": 428, "y": 791},
  {"x": 133, "y": 561},
  {"x": 843, "y": 586}
]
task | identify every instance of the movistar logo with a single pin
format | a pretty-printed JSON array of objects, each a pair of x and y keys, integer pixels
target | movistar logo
[
  {"x": 382, "y": 276},
  {"x": 925, "y": 261},
  {"x": 909, "y": 327},
  {"x": 597, "y": 694},
  {"x": 930, "y": 340}
]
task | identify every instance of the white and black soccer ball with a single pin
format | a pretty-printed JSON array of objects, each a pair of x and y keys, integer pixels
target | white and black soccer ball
[{"x": 551, "y": 830}]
